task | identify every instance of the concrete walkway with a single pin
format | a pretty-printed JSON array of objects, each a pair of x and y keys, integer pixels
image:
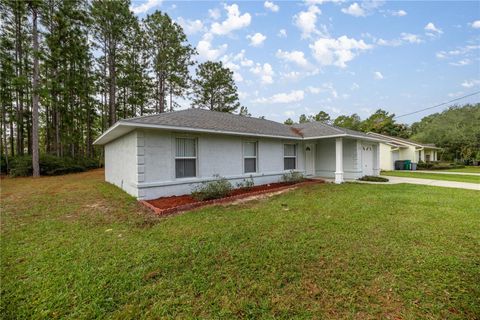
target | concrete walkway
[
  {"x": 454, "y": 173},
  {"x": 436, "y": 183}
]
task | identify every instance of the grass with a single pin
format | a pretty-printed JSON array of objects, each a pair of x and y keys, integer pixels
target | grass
[
  {"x": 470, "y": 169},
  {"x": 74, "y": 247},
  {"x": 433, "y": 176}
]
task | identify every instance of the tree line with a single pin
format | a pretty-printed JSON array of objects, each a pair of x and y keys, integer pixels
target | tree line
[
  {"x": 71, "y": 69},
  {"x": 456, "y": 130}
]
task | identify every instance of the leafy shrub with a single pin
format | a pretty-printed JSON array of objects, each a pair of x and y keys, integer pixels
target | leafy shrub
[
  {"x": 219, "y": 188},
  {"x": 373, "y": 179},
  {"x": 21, "y": 166},
  {"x": 247, "y": 183},
  {"x": 293, "y": 177},
  {"x": 438, "y": 166}
]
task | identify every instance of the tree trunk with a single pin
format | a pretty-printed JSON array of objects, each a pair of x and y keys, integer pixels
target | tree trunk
[
  {"x": 111, "y": 89},
  {"x": 35, "y": 98}
]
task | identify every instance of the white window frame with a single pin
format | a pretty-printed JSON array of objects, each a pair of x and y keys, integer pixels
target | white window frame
[
  {"x": 195, "y": 140},
  {"x": 250, "y": 157},
  {"x": 290, "y": 157}
]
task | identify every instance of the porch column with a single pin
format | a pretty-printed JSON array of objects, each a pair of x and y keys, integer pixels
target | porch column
[
  {"x": 376, "y": 160},
  {"x": 339, "y": 160}
]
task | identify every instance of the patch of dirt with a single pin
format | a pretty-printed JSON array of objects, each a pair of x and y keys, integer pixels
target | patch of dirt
[{"x": 168, "y": 205}]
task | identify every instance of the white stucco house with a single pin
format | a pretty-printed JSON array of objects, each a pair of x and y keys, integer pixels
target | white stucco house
[
  {"x": 170, "y": 153},
  {"x": 394, "y": 148}
]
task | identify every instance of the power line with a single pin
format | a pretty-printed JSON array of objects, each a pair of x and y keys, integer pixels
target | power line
[{"x": 439, "y": 105}]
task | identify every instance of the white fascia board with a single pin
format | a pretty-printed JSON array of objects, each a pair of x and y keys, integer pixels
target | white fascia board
[
  {"x": 182, "y": 129},
  {"x": 346, "y": 135}
]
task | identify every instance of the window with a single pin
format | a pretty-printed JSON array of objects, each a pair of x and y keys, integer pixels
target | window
[
  {"x": 289, "y": 156},
  {"x": 249, "y": 157},
  {"x": 185, "y": 158}
]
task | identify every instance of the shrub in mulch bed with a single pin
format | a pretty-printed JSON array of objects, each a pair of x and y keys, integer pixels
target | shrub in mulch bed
[
  {"x": 373, "y": 179},
  {"x": 174, "y": 204}
]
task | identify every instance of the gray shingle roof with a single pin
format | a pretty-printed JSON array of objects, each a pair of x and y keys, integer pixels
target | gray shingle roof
[
  {"x": 407, "y": 141},
  {"x": 221, "y": 122},
  {"x": 320, "y": 129},
  {"x": 216, "y": 121}
]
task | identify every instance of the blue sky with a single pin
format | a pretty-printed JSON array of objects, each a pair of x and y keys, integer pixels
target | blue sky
[{"x": 342, "y": 57}]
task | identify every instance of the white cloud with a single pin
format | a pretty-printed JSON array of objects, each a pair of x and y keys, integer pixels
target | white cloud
[
  {"x": 390, "y": 43},
  {"x": 470, "y": 83},
  {"x": 292, "y": 75},
  {"x": 461, "y": 63},
  {"x": 404, "y": 38},
  {"x": 476, "y": 24},
  {"x": 399, "y": 13},
  {"x": 206, "y": 51},
  {"x": 265, "y": 72},
  {"x": 257, "y": 39},
  {"x": 377, "y": 75},
  {"x": 431, "y": 27},
  {"x": 234, "y": 21},
  {"x": 354, "y": 86},
  {"x": 326, "y": 87},
  {"x": 215, "y": 14},
  {"x": 271, "y": 6},
  {"x": 297, "y": 57},
  {"x": 338, "y": 51},
  {"x": 282, "y": 33},
  {"x": 306, "y": 21},
  {"x": 146, "y": 6},
  {"x": 354, "y": 10},
  {"x": 411, "y": 38},
  {"x": 290, "y": 97},
  {"x": 191, "y": 26},
  {"x": 289, "y": 113}
]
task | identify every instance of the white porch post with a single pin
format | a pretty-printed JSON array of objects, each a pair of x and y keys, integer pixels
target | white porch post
[
  {"x": 339, "y": 160},
  {"x": 376, "y": 160}
]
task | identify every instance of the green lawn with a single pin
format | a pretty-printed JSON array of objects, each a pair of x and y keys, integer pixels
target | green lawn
[
  {"x": 466, "y": 170},
  {"x": 433, "y": 176},
  {"x": 75, "y": 247}
]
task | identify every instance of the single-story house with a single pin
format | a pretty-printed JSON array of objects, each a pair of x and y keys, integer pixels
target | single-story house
[
  {"x": 395, "y": 148},
  {"x": 170, "y": 153}
]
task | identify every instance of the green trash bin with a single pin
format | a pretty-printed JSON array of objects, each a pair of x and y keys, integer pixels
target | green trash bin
[{"x": 408, "y": 165}]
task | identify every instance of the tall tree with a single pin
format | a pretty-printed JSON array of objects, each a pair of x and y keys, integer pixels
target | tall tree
[
  {"x": 111, "y": 19},
  {"x": 171, "y": 55},
  {"x": 322, "y": 116},
  {"x": 35, "y": 89},
  {"x": 350, "y": 122},
  {"x": 214, "y": 88}
]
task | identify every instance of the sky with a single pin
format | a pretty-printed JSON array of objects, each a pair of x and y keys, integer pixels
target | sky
[{"x": 299, "y": 57}]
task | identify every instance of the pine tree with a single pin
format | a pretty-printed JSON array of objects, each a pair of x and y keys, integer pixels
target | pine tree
[
  {"x": 214, "y": 88},
  {"x": 170, "y": 55},
  {"x": 111, "y": 20}
]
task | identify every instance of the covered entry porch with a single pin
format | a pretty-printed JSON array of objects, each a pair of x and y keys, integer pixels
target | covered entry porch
[{"x": 342, "y": 158}]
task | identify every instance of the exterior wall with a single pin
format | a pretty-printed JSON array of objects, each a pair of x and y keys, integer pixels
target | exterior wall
[
  {"x": 408, "y": 154},
  {"x": 121, "y": 163},
  {"x": 216, "y": 154},
  {"x": 325, "y": 158},
  {"x": 386, "y": 159},
  {"x": 431, "y": 152}
]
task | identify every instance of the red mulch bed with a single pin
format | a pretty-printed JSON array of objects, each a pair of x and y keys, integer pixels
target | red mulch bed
[{"x": 173, "y": 204}]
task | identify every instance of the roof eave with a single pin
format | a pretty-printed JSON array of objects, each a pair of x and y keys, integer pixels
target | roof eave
[{"x": 103, "y": 139}]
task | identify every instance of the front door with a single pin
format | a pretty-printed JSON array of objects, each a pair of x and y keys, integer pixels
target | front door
[
  {"x": 310, "y": 159},
  {"x": 367, "y": 156}
]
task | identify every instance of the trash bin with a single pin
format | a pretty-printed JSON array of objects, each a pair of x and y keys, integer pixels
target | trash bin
[
  {"x": 407, "y": 165},
  {"x": 399, "y": 165},
  {"x": 414, "y": 166}
]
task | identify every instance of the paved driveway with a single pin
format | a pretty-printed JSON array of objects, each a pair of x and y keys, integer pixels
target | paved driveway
[{"x": 437, "y": 183}]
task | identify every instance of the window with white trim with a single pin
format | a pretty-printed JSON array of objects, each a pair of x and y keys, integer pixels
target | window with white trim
[
  {"x": 249, "y": 156},
  {"x": 289, "y": 156},
  {"x": 185, "y": 157}
]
